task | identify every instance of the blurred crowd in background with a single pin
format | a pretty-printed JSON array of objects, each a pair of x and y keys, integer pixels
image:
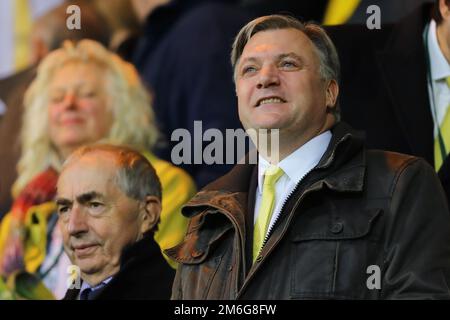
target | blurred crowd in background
[{"x": 178, "y": 55}]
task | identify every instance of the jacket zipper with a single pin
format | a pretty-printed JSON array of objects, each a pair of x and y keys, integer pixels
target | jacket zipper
[
  {"x": 291, "y": 213},
  {"x": 269, "y": 232}
]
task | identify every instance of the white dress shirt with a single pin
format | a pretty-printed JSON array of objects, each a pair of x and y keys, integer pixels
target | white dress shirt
[
  {"x": 295, "y": 167},
  {"x": 439, "y": 70}
]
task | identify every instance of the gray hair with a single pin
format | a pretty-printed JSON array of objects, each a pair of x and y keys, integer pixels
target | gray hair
[
  {"x": 329, "y": 67},
  {"x": 136, "y": 177}
]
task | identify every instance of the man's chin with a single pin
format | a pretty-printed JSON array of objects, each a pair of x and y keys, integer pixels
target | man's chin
[
  {"x": 88, "y": 267},
  {"x": 266, "y": 127},
  {"x": 267, "y": 123}
]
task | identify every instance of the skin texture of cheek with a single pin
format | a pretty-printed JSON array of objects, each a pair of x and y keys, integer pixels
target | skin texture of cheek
[{"x": 114, "y": 236}]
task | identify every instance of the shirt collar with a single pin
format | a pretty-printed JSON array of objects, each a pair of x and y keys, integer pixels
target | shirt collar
[
  {"x": 440, "y": 68},
  {"x": 299, "y": 162},
  {"x": 86, "y": 285}
]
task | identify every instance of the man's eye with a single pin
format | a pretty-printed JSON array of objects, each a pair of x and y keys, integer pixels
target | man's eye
[
  {"x": 95, "y": 205},
  {"x": 248, "y": 69},
  {"x": 288, "y": 64},
  {"x": 63, "y": 210}
]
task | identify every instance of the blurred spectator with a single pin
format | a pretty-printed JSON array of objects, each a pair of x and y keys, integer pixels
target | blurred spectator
[
  {"x": 16, "y": 18},
  {"x": 182, "y": 54},
  {"x": 121, "y": 18},
  {"x": 394, "y": 83},
  {"x": 82, "y": 94},
  {"x": 355, "y": 11},
  {"x": 49, "y": 31}
]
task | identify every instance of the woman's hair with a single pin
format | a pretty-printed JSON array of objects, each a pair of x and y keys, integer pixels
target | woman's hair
[{"x": 133, "y": 119}]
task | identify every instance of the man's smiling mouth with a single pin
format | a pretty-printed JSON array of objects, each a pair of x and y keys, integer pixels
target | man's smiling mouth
[{"x": 270, "y": 100}]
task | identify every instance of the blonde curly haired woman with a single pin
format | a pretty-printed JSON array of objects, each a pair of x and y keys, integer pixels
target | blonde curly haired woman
[{"x": 82, "y": 94}]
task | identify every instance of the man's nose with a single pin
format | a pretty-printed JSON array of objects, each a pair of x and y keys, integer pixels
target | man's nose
[
  {"x": 268, "y": 77},
  {"x": 77, "y": 223}
]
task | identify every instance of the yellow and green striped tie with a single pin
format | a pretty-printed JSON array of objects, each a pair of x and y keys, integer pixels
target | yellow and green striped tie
[
  {"x": 442, "y": 141},
  {"x": 271, "y": 176}
]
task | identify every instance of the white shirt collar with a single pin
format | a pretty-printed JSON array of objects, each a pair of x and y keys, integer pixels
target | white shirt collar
[
  {"x": 439, "y": 66},
  {"x": 299, "y": 162}
]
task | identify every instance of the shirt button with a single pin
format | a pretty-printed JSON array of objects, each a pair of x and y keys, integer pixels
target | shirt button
[{"x": 337, "y": 227}]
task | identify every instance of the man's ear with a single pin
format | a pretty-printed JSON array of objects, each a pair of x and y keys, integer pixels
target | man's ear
[
  {"x": 151, "y": 213},
  {"x": 332, "y": 93},
  {"x": 444, "y": 9}
]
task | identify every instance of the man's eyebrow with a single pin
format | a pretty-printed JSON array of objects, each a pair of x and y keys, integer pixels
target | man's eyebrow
[
  {"x": 249, "y": 59},
  {"x": 289, "y": 55},
  {"x": 63, "y": 202},
  {"x": 88, "y": 196},
  {"x": 278, "y": 57}
]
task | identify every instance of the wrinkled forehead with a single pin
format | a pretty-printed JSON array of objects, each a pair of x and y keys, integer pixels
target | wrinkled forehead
[
  {"x": 278, "y": 42},
  {"x": 95, "y": 171}
]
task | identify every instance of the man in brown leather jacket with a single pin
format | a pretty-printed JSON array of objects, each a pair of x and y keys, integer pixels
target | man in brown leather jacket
[{"x": 323, "y": 218}]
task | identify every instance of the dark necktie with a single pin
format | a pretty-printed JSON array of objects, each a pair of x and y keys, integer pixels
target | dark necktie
[{"x": 84, "y": 295}]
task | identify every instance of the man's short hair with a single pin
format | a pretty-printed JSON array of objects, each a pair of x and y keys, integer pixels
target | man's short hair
[
  {"x": 325, "y": 49},
  {"x": 136, "y": 177}
]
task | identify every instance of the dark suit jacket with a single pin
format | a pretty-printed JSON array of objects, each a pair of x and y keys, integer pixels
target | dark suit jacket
[
  {"x": 144, "y": 275},
  {"x": 12, "y": 90},
  {"x": 384, "y": 86}
]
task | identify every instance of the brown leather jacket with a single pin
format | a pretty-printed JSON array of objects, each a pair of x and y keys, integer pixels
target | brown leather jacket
[{"x": 361, "y": 225}]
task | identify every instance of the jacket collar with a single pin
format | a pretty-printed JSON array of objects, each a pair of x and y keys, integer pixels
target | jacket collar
[
  {"x": 144, "y": 249},
  {"x": 342, "y": 168}
]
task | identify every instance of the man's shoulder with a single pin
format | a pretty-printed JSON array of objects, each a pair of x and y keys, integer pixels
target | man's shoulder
[
  {"x": 386, "y": 168},
  {"x": 393, "y": 160},
  {"x": 144, "y": 274}
]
